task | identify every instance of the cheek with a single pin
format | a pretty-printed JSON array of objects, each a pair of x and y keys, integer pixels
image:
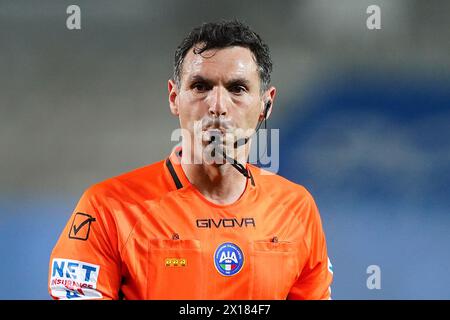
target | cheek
[
  {"x": 189, "y": 113},
  {"x": 248, "y": 118}
]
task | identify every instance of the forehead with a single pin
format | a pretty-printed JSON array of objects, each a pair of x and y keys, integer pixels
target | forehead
[{"x": 230, "y": 62}]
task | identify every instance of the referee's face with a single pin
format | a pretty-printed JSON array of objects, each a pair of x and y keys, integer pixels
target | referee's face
[{"x": 219, "y": 94}]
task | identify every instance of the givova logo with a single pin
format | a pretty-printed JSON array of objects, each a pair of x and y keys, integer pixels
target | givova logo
[
  {"x": 228, "y": 259},
  {"x": 72, "y": 279}
]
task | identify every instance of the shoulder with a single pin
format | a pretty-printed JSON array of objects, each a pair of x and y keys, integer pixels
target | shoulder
[
  {"x": 294, "y": 197},
  {"x": 274, "y": 183},
  {"x": 125, "y": 197},
  {"x": 118, "y": 203},
  {"x": 147, "y": 181}
]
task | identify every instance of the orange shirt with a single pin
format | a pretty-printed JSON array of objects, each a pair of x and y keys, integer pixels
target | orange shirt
[{"x": 150, "y": 234}]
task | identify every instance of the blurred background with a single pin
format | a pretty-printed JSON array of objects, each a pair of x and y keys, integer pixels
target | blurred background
[{"x": 364, "y": 119}]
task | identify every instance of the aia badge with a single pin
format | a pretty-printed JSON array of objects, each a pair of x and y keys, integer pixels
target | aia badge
[
  {"x": 228, "y": 259},
  {"x": 81, "y": 225}
]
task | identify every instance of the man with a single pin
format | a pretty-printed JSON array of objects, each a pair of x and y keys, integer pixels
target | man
[{"x": 200, "y": 224}]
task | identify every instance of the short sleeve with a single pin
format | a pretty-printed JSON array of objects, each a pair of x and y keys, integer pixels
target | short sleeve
[
  {"x": 316, "y": 276},
  {"x": 84, "y": 263}
]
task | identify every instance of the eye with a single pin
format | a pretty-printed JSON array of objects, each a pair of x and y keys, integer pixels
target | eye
[
  {"x": 200, "y": 87},
  {"x": 238, "y": 89}
]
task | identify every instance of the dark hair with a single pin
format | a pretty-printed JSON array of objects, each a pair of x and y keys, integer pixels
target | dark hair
[{"x": 221, "y": 35}]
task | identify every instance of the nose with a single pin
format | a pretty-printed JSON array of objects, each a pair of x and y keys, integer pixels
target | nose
[{"x": 217, "y": 104}]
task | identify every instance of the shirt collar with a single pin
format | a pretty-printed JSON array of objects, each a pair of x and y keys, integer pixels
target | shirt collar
[{"x": 178, "y": 177}]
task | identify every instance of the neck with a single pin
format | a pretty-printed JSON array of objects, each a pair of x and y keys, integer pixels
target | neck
[{"x": 220, "y": 184}]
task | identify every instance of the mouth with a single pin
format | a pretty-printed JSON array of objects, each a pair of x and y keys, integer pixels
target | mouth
[
  {"x": 214, "y": 144},
  {"x": 211, "y": 135}
]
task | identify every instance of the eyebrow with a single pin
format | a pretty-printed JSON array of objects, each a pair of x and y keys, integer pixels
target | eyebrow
[{"x": 234, "y": 81}]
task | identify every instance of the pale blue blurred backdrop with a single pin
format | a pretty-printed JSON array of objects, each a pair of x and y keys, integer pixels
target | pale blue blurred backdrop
[{"x": 364, "y": 119}]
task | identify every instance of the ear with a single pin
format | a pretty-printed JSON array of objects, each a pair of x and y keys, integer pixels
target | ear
[
  {"x": 173, "y": 95},
  {"x": 269, "y": 96}
]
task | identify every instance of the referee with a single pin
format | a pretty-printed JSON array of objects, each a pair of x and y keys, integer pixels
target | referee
[{"x": 202, "y": 223}]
